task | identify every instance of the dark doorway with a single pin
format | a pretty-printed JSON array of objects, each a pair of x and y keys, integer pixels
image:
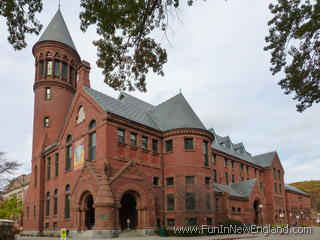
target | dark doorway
[
  {"x": 128, "y": 211},
  {"x": 90, "y": 213},
  {"x": 256, "y": 207}
]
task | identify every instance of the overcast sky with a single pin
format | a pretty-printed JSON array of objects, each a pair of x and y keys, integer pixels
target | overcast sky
[{"x": 215, "y": 56}]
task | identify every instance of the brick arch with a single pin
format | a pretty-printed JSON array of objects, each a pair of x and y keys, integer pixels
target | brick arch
[
  {"x": 144, "y": 201},
  {"x": 81, "y": 192}
]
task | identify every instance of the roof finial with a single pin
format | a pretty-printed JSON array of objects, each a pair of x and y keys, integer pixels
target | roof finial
[
  {"x": 180, "y": 90},
  {"x": 59, "y": 4}
]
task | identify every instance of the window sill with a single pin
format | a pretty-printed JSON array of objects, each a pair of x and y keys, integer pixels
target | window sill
[
  {"x": 189, "y": 150},
  {"x": 145, "y": 150},
  {"x": 168, "y": 152},
  {"x": 155, "y": 153},
  {"x": 122, "y": 144},
  {"x": 66, "y": 171},
  {"x": 134, "y": 147}
]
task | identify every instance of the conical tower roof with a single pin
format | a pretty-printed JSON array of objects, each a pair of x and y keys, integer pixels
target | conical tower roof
[{"x": 57, "y": 31}]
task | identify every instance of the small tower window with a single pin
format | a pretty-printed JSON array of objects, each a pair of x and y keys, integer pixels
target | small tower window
[
  {"x": 48, "y": 93},
  {"x": 41, "y": 68},
  {"x": 64, "y": 70},
  {"x": 49, "y": 67},
  {"x": 57, "y": 68},
  {"x": 71, "y": 75},
  {"x": 46, "y": 121}
]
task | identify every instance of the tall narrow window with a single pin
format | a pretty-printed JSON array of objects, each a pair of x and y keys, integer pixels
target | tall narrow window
[
  {"x": 133, "y": 139},
  {"x": 280, "y": 188},
  {"x": 67, "y": 202},
  {"x": 46, "y": 121},
  {"x": 48, "y": 167},
  {"x": 170, "y": 202},
  {"x": 168, "y": 145},
  {"x": 241, "y": 167},
  {"x": 188, "y": 143},
  {"x": 34, "y": 211},
  {"x": 144, "y": 142},
  {"x": 28, "y": 212},
  {"x": 190, "y": 201},
  {"x": 274, "y": 173},
  {"x": 121, "y": 135},
  {"x": 57, "y": 65},
  {"x": 48, "y": 204},
  {"x": 279, "y": 174},
  {"x": 68, "y": 157},
  {"x": 232, "y": 178},
  {"x": 35, "y": 176},
  {"x": 64, "y": 70},
  {"x": 227, "y": 178},
  {"x": 215, "y": 177},
  {"x": 154, "y": 145},
  {"x": 205, "y": 153},
  {"x": 189, "y": 180},
  {"x": 207, "y": 180},
  {"x": 41, "y": 68},
  {"x": 225, "y": 162},
  {"x": 232, "y": 164},
  {"x": 55, "y": 203},
  {"x": 56, "y": 164},
  {"x": 275, "y": 187},
  {"x": 49, "y": 67},
  {"x": 92, "y": 146},
  {"x": 48, "y": 93},
  {"x": 71, "y": 75},
  {"x": 208, "y": 201}
]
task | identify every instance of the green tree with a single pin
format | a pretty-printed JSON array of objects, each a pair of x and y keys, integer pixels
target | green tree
[
  {"x": 12, "y": 208},
  {"x": 126, "y": 48},
  {"x": 293, "y": 40}
]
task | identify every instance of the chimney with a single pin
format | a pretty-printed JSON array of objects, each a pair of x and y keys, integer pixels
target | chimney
[{"x": 83, "y": 75}]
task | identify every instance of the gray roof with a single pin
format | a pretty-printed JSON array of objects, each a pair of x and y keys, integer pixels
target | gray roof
[
  {"x": 263, "y": 160},
  {"x": 288, "y": 187},
  {"x": 57, "y": 31},
  {"x": 176, "y": 113},
  {"x": 240, "y": 189},
  {"x": 173, "y": 113}
]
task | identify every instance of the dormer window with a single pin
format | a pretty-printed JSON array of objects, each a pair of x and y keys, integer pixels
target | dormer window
[{"x": 227, "y": 144}]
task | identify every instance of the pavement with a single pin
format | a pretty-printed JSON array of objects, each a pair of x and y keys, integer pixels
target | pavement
[{"x": 314, "y": 236}]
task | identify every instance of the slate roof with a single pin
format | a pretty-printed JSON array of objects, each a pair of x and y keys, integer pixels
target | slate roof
[
  {"x": 57, "y": 31},
  {"x": 240, "y": 189},
  {"x": 262, "y": 160},
  {"x": 288, "y": 187},
  {"x": 265, "y": 159},
  {"x": 171, "y": 114}
]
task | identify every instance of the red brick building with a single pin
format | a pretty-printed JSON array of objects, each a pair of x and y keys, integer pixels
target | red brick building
[{"x": 105, "y": 164}]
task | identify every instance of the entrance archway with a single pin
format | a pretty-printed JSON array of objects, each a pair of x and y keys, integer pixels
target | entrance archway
[
  {"x": 257, "y": 212},
  {"x": 89, "y": 212},
  {"x": 128, "y": 210}
]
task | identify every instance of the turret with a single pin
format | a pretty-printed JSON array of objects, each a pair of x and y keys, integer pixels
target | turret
[{"x": 56, "y": 62}]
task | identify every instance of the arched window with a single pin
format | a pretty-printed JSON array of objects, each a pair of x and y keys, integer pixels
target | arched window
[
  {"x": 68, "y": 154},
  {"x": 34, "y": 211},
  {"x": 233, "y": 209},
  {"x": 55, "y": 203},
  {"x": 81, "y": 115},
  {"x": 92, "y": 141},
  {"x": 48, "y": 204},
  {"x": 28, "y": 212},
  {"x": 92, "y": 124},
  {"x": 69, "y": 138},
  {"x": 239, "y": 210},
  {"x": 67, "y": 202}
]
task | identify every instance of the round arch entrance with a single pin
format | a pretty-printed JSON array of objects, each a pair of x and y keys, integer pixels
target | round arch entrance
[
  {"x": 257, "y": 206},
  {"x": 89, "y": 211},
  {"x": 128, "y": 214}
]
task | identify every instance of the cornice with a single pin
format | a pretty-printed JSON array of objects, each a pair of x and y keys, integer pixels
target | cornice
[
  {"x": 55, "y": 83},
  {"x": 188, "y": 131}
]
